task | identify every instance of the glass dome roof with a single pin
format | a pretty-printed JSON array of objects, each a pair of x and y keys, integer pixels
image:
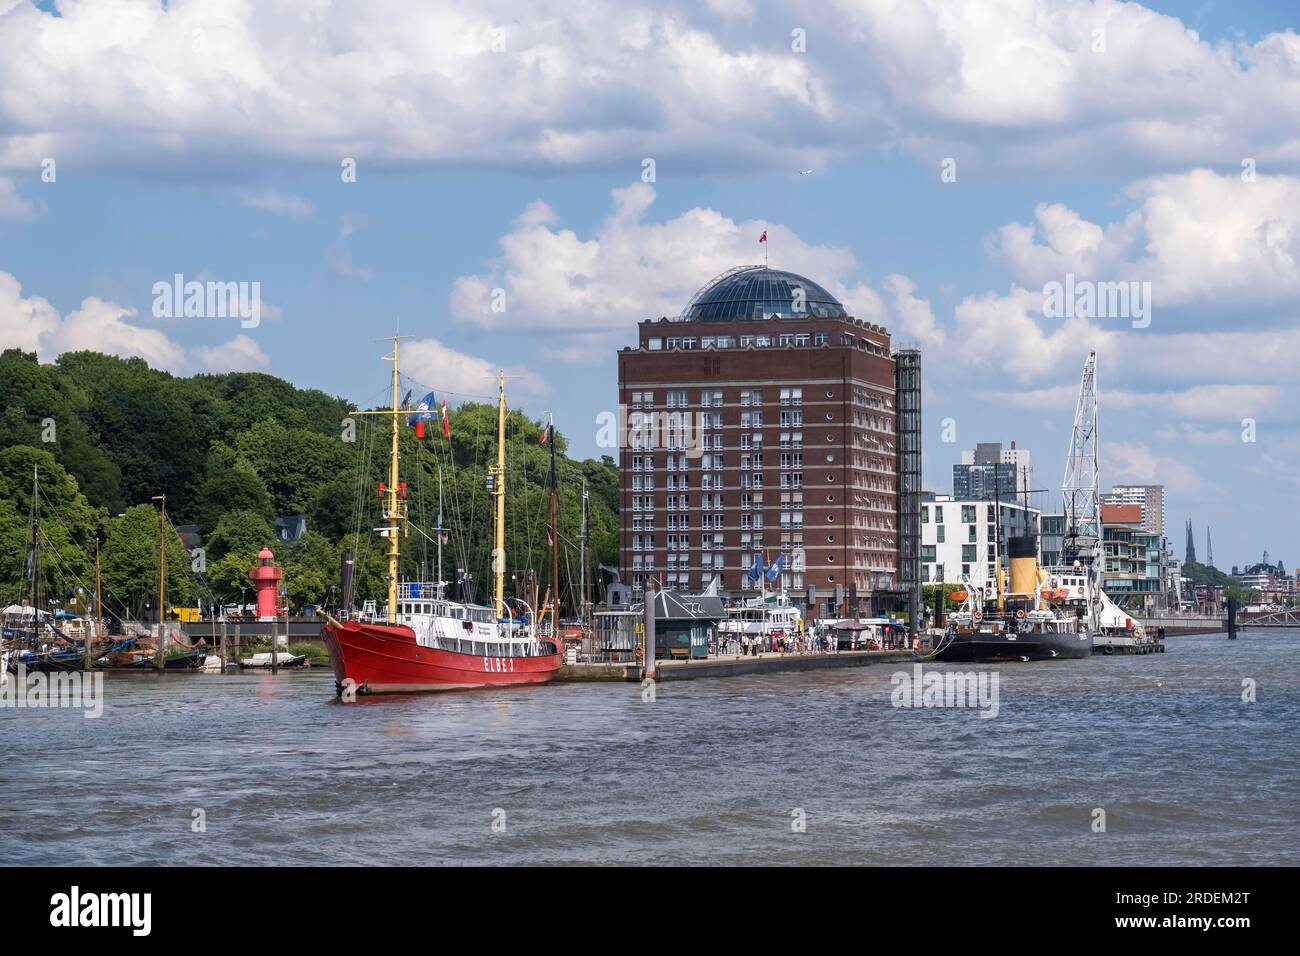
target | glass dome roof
[{"x": 757, "y": 292}]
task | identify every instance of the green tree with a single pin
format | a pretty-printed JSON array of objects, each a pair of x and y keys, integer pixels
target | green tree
[
  {"x": 292, "y": 462},
  {"x": 311, "y": 570},
  {"x": 68, "y": 525},
  {"x": 241, "y": 531},
  {"x": 130, "y": 564},
  {"x": 232, "y": 484}
]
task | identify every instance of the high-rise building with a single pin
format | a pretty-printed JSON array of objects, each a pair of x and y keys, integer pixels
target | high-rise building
[
  {"x": 989, "y": 471},
  {"x": 1150, "y": 497},
  {"x": 765, "y": 422}
]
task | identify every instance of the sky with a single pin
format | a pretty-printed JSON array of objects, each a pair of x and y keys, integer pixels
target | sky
[{"x": 517, "y": 184}]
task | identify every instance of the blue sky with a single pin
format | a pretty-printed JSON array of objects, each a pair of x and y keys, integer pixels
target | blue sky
[{"x": 502, "y": 145}]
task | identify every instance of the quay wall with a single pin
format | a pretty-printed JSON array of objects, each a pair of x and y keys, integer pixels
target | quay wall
[
  {"x": 732, "y": 666},
  {"x": 1184, "y": 626}
]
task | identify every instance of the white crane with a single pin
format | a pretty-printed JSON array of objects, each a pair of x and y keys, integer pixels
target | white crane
[{"x": 1082, "y": 545}]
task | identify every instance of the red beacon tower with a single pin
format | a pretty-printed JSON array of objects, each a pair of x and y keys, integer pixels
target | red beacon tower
[{"x": 266, "y": 578}]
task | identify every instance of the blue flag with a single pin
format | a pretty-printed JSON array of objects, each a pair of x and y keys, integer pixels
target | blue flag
[
  {"x": 427, "y": 411},
  {"x": 756, "y": 571},
  {"x": 776, "y": 567}
]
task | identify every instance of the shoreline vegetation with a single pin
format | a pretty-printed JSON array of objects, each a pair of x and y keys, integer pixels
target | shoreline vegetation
[{"x": 232, "y": 452}]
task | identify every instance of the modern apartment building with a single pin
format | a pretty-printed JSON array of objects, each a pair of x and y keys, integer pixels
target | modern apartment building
[
  {"x": 1135, "y": 576},
  {"x": 960, "y": 538},
  {"x": 1151, "y": 498}
]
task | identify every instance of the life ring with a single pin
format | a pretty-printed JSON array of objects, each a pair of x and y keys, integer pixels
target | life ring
[
  {"x": 1080, "y": 588},
  {"x": 977, "y": 615},
  {"x": 1020, "y": 614},
  {"x": 1108, "y": 650}
]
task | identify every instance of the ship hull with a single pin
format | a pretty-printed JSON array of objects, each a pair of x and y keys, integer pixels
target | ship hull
[
  {"x": 984, "y": 648},
  {"x": 382, "y": 659}
]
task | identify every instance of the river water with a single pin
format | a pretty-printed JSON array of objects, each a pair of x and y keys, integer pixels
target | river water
[{"x": 813, "y": 768}]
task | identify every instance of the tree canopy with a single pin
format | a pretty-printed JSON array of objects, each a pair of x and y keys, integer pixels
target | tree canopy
[{"x": 231, "y": 452}]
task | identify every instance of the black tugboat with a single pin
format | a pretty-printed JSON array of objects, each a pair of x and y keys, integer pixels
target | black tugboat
[{"x": 1021, "y": 620}]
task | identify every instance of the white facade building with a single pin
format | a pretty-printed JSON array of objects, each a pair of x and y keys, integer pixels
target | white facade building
[{"x": 959, "y": 538}]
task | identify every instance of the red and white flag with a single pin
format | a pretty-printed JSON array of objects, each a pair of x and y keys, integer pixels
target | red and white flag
[
  {"x": 546, "y": 432},
  {"x": 446, "y": 422},
  {"x": 763, "y": 237}
]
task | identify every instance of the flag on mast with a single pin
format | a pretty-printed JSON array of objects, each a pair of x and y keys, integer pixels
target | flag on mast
[
  {"x": 546, "y": 432},
  {"x": 446, "y": 422},
  {"x": 423, "y": 413},
  {"x": 763, "y": 237}
]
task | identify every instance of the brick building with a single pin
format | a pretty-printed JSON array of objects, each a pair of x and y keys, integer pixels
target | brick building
[{"x": 763, "y": 422}]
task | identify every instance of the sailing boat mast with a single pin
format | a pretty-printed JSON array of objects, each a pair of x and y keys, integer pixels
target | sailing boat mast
[
  {"x": 555, "y": 539},
  {"x": 160, "y": 660},
  {"x": 499, "y": 493},
  {"x": 392, "y": 512},
  {"x": 99, "y": 609},
  {"x": 35, "y": 553}
]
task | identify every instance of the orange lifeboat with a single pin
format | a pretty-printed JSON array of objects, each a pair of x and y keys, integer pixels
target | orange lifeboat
[{"x": 958, "y": 596}]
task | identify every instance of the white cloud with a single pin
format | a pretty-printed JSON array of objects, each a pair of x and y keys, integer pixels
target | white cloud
[
  {"x": 339, "y": 255},
  {"x": 240, "y": 354},
  {"x": 33, "y": 324},
  {"x": 1003, "y": 332},
  {"x": 137, "y": 83},
  {"x": 1196, "y": 237},
  {"x": 587, "y": 294},
  {"x": 281, "y": 204},
  {"x": 15, "y": 207},
  {"x": 444, "y": 369},
  {"x": 1134, "y": 461}
]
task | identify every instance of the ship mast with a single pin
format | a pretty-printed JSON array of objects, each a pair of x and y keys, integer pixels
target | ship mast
[
  {"x": 555, "y": 539},
  {"x": 392, "y": 512},
  {"x": 499, "y": 494}
]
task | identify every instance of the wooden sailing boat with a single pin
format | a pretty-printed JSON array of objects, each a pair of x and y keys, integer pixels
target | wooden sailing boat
[{"x": 428, "y": 643}]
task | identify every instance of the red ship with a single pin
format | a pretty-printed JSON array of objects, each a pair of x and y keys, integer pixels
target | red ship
[
  {"x": 379, "y": 659},
  {"x": 425, "y": 642}
]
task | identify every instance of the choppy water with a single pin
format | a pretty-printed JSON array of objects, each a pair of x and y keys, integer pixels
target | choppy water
[{"x": 710, "y": 772}]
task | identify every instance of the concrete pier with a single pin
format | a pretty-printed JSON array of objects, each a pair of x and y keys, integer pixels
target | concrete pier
[
  {"x": 733, "y": 666},
  {"x": 1182, "y": 626},
  {"x": 578, "y": 673}
]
